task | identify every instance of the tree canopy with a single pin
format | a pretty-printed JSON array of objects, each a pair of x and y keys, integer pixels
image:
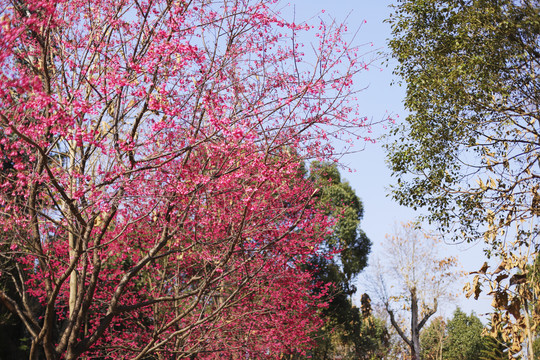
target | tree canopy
[
  {"x": 347, "y": 332},
  {"x": 338, "y": 199},
  {"x": 458, "y": 339},
  {"x": 150, "y": 152},
  {"x": 469, "y": 150}
]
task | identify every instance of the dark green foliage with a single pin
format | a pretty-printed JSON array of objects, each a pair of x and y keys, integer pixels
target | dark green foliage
[
  {"x": 348, "y": 332},
  {"x": 14, "y": 343},
  {"x": 14, "y": 338},
  {"x": 495, "y": 348},
  {"x": 372, "y": 341},
  {"x": 433, "y": 338},
  {"x": 351, "y": 335},
  {"x": 342, "y": 203},
  {"x": 461, "y": 338},
  {"x": 464, "y": 340}
]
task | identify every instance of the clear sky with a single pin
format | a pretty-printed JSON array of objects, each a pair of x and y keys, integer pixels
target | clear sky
[{"x": 371, "y": 177}]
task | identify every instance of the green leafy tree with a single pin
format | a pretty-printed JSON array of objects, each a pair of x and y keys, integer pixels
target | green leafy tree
[
  {"x": 493, "y": 350},
  {"x": 341, "y": 201},
  {"x": 348, "y": 331},
  {"x": 470, "y": 142},
  {"x": 433, "y": 338},
  {"x": 458, "y": 339},
  {"x": 464, "y": 341},
  {"x": 469, "y": 150},
  {"x": 372, "y": 341}
]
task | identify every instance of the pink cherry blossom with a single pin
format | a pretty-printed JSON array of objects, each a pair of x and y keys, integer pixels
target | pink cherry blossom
[{"x": 152, "y": 193}]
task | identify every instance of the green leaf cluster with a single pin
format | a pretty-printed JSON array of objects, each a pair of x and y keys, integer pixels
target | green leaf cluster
[
  {"x": 348, "y": 332},
  {"x": 341, "y": 202},
  {"x": 459, "y": 339},
  {"x": 470, "y": 144}
]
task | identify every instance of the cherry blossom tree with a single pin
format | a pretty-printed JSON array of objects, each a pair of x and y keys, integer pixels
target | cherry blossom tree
[{"x": 152, "y": 202}]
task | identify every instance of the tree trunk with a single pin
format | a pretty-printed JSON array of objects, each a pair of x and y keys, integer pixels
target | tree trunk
[
  {"x": 530, "y": 347},
  {"x": 71, "y": 240},
  {"x": 415, "y": 330}
]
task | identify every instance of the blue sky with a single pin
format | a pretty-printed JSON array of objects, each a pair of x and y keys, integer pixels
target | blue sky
[{"x": 371, "y": 177}]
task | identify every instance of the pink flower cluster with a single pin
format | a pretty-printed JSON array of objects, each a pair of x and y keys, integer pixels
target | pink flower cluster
[{"x": 151, "y": 184}]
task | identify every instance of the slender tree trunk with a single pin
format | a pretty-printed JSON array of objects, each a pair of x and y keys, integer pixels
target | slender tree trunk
[
  {"x": 530, "y": 349},
  {"x": 441, "y": 345},
  {"x": 71, "y": 241},
  {"x": 415, "y": 331}
]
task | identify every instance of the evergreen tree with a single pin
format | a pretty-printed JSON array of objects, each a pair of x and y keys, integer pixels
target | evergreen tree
[
  {"x": 495, "y": 348},
  {"x": 348, "y": 332},
  {"x": 464, "y": 341},
  {"x": 458, "y": 339}
]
